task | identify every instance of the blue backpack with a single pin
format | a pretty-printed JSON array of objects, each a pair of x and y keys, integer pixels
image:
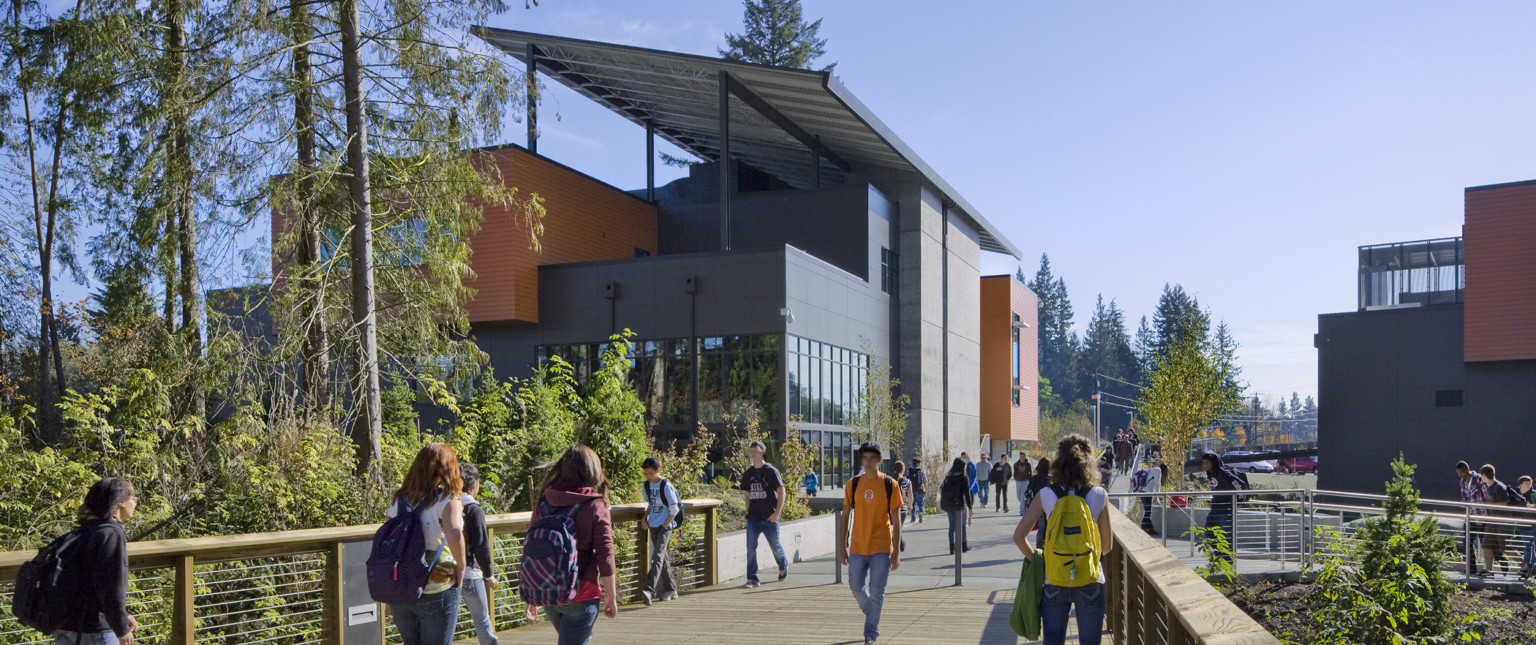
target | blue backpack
[
  {"x": 550, "y": 569},
  {"x": 398, "y": 566}
]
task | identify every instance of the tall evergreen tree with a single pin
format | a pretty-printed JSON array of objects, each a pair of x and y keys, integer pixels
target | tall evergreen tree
[
  {"x": 776, "y": 34},
  {"x": 1145, "y": 347},
  {"x": 1177, "y": 314},
  {"x": 1058, "y": 343},
  {"x": 1106, "y": 349}
]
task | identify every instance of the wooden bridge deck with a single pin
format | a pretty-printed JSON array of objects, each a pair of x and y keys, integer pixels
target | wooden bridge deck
[{"x": 792, "y": 614}]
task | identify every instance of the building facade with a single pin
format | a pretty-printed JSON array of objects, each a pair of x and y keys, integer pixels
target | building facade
[
  {"x": 1439, "y": 361},
  {"x": 1010, "y": 410}
]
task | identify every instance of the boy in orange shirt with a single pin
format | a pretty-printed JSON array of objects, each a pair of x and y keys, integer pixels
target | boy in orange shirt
[{"x": 872, "y": 505}]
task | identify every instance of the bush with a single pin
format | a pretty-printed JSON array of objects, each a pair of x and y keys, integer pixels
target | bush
[{"x": 1384, "y": 584}]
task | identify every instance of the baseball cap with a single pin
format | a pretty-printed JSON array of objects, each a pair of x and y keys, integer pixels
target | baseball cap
[{"x": 869, "y": 446}]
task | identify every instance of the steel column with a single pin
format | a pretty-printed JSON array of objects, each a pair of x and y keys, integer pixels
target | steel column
[
  {"x": 725, "y": 161},
  {"x": 650, "y": 161},
  {"x": 533, "y": 98}
]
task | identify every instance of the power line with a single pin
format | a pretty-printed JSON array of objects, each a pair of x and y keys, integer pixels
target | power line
[{"x": 1120, "y": 381}]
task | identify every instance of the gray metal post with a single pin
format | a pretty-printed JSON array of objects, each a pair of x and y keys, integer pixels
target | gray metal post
[
  {"x": 650, "y": 161},
  {"x": 837, "y": 563},
  {"x": 1466, "y": 538},
  {"x": 725, "y": 161},
  {"x": 533, "y": 99},
  {"x": 1166, "y": 507}
]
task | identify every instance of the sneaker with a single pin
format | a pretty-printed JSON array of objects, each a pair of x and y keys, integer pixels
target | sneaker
[
  {"x": 671, "y": 596},
  {"x": 645, "y": 598},
  {"x": 783, "y": 573},
  {"x": 751, "y": 584},
  {"x": 869, "y": 641},
  {"x": 967, "y": 547}
]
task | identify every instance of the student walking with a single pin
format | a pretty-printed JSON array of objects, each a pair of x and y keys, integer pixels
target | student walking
[
  {"x": 434, "y": 490},
  {"x": 872, "y": 508},
  {"x": 955, "y": 499},
  {"x": 906, "y": 489},
  {"x": 919, "y": 481},
  {"x": 812, "y": 484},
  {"x": 98, "y": 569},
  {"x": 763, "y": 490},
  {"x": 479, "y": 574},
  {"x": 984, "y": 471},
  {"x": 1037, "y": 482},
  {"x": 1495, "y": 536},
  {"x": 1149, "y": 480},
  {"x": 1022, "y": 471},
  {"x": 970, "y": 476},
  {"x": 1473, "y": 491},
  {"x": 662, "y": 506},
  {"x": 1077, "y": 536},
  {"x": 1222, "y": 477},
  {"x": 576, "y": 488},
  {"x": 1001, "y": 473}
]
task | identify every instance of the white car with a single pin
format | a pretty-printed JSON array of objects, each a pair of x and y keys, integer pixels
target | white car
[{"x": 1259, "y": 466}]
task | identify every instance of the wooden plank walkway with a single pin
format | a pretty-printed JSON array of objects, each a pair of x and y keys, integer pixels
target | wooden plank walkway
[{"x": 794, "y": 614}]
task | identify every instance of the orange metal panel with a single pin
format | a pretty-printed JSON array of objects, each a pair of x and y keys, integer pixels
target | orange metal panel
[
  {"x": 1500, "y": 295},
  {"x": 1001, "y": 298}
]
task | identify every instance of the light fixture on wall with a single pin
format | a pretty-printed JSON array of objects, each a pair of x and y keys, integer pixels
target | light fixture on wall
[{"x": 788, "y": 314}]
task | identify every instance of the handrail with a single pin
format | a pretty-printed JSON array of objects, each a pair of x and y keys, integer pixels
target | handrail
[
  {"x": 224, "y": 548},
  {"x": 1187, "y": 606}
]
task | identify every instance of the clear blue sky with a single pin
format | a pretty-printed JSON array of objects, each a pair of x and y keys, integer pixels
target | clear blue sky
[{"x": 1241, "y": 149}]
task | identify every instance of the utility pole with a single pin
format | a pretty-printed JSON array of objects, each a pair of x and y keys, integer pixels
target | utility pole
[{"x": 1098, "y": 424}]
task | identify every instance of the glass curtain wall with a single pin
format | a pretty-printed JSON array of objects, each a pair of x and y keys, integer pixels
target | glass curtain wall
[{"x": 826, "y": 382}]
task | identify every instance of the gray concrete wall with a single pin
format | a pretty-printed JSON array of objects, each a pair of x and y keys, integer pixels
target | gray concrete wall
[
  {"x": 921, "y": 318},
  {"x": 801, "y": 539},
  {"x": 1377, "y": 375},
  {"x": 964, "y": 303}
]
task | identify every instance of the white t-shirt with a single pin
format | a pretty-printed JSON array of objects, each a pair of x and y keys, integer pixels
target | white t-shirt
[
  {"x": 1097, "y": 499},
  {"x": 1154, "y": 481},
  {"x": 432, "y": 538}
]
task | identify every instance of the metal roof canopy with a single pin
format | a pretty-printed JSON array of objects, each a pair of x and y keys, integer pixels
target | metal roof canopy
[{"x": 781, "y": 119}]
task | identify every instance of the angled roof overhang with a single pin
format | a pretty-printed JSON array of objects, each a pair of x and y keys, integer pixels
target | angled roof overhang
[{"x": 781, "y": 119}]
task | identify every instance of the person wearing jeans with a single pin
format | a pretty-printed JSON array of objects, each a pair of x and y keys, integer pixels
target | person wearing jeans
[
  {"x": 919, "y": 481},
  {"x": 662, "y": 505},
  {"x": 430, "y": 620},
  {"x": 479, "y": 576},
  {"x": 574, "y": 622},
  {"x": 1056, "y": 605},
  {"x": 763, "y": 490},
  {"x": 872, "y": 509}
]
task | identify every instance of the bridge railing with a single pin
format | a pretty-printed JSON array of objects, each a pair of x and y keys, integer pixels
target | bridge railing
[
  {"x": 1154, "y": 598},
  {"x": 286, "y": 588}
]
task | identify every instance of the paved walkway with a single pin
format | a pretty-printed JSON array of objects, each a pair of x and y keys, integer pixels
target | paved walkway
[{"x": 921, "y": 607}]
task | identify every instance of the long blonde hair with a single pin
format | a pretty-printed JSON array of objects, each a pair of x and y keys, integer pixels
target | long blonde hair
[{"x": 1073, "y": 466}]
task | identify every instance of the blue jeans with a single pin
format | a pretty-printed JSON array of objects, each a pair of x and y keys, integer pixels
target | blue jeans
[
  {"x": 919, "y": 504},
  {"x": 876, "y": 569},
  {"x": 479, "y": 611},
  {"x": 62, "y": 637},
  {"x": 1055, "y": 605},
  {"x": 768, "y": 530},
  {"x": 574, "y": 622},
  {"x": 956, "y": 523},
  {"x": 981, "y": 493},
  {"x": 428, "y": 621}
]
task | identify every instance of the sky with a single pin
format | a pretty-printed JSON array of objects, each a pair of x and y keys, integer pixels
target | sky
[{"x": 1243, "y": 150}]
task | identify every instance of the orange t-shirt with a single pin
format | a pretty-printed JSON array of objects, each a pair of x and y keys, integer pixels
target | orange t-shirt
[{"x": 872, "y": 513}]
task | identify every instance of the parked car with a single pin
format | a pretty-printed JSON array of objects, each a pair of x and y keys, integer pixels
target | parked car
[
  {"x": 1234, "y": 458},
  {"x": 1298, "y": 465}
]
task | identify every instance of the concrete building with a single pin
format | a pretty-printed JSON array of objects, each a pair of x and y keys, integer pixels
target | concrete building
[
  {"x": 832, "y": 249},
  {"x": 1010, "y": 406},
  {"x": 1439, "y": 361}
]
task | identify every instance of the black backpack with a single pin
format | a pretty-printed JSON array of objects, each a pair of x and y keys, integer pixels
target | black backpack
[
  {"x": 44, "y": 598},
  {"x": 853, "y": 485},
  {"x": 661, "y": 492},
  {"x": 952, "y": 493}
]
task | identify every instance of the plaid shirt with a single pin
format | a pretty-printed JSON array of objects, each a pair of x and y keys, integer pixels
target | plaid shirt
[{"x": 1474, "y": 491}]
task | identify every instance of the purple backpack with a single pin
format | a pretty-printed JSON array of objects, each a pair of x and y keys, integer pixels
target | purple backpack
[
  {"x": 549, "y": 573},
  {"x": 398, "y": 566}
]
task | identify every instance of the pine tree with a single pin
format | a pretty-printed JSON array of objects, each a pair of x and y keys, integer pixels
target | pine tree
[
  {"x": 1058, "y": 343},
  {"x": 776, "y": 34},
  {"x": 1106, "y": 348},
  {"x": 1145, "y": 347},
  {"x": 1177, "y": 315},
  {"x": 1295, "y": 404}
]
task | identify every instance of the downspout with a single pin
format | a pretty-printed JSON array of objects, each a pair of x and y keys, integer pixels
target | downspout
[{"x": 944, "y": 304}]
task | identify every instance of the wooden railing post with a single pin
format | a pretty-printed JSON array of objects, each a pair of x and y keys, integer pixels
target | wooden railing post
[
  {"x": 183, "y": 614},
  {"x": 643, "y": 555},
  {"x": 333, "y": 609},
  {"x": 490, "y": 594},
  {"x": 711, "y": 546}
]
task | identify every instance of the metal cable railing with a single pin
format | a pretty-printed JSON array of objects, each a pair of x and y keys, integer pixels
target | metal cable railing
[{"x": 284, "y": 588}]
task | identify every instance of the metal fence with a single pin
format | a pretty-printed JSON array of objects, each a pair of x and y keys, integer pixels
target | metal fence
[
  {"x": 285, "y": 588},
  {"x": 1279, "y": 530}
]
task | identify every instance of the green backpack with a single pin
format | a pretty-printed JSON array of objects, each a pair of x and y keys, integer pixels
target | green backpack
[{"x": 1072, "y": 549}]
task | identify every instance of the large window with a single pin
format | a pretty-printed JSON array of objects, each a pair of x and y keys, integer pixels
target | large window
[
  {"x": 1016, "y": 383},
  {"x": 735, "y": 374},
  {"x": 888, "y": 270},
  {"x": 826, "y": 382}
]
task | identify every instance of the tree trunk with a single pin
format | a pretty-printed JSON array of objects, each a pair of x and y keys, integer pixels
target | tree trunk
[
  {"x": 367, "y": 425},
  {"x": 181, "y": 172},
  {"x": 317, "y": 351}
]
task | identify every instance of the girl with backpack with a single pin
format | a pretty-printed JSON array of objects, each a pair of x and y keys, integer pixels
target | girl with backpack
[
  {"x": 433, "y": 490},
  {"x": 955, "y": 500},
  {"x": 1077, "y": 537},
  {"x": 575, "y": 488},
  {"x": 100, "y": 560}
]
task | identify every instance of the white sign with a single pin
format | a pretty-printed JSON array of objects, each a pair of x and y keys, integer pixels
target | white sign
[{"x": 362, "y": 614}]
